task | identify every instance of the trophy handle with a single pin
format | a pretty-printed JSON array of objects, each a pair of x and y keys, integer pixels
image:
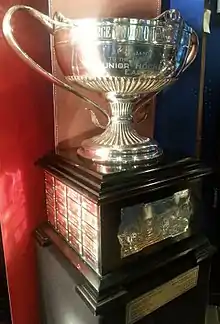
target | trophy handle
[
  {"x": 193, "y": 50},
  {"x": 171, "y": 15},
  {"x": 49, "y": 23}
]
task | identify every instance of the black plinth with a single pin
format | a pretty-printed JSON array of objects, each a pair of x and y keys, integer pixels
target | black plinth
[
  {"x": 113, "y": 218},
  {"x": 212, "y": 227},
  {"x": 172, "y": 288},
  {"x": 5, "y": 311}
]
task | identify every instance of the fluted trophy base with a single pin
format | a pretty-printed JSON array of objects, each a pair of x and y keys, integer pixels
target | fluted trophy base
[
  {"x": 120, "y": 143},
  {"x": 146, "y": 151}
]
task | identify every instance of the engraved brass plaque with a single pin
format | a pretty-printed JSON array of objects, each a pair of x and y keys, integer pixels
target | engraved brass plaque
[{"x": 158, "y": 297}]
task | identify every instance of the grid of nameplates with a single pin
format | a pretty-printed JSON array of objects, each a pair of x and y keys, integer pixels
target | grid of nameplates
[{"x": 75, "y": 217}]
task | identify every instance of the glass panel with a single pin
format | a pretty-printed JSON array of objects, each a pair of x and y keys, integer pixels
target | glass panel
[{"x": 146, "y": 224}]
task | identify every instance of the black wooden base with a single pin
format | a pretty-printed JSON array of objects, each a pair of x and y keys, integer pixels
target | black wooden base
[
  {"x": 115, "y": 200},
  {"x": 104, "y": 294},
  {"x": 105, "y": 184},
  {"x": 181, "y": 297},
  {"x": 5, "y": 311},
  {"x": 211, "y": 228}
]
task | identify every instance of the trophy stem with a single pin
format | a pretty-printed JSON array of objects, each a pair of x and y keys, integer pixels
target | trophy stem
[
  {"x": 121, "y": 111},
  {"x": 120, "y": 143}
]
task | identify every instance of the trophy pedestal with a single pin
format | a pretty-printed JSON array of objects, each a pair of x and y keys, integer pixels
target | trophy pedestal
[
  {"x": 147, "y": 151},
  {"x": 173, "y": 289},
  {"x": 120, "y": 144},
  {"x": 123, "y": 238},
  {"x": 115, "y": 216}
]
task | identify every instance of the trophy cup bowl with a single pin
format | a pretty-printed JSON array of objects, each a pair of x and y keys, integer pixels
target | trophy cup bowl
[{"x": 124, "y": 58}]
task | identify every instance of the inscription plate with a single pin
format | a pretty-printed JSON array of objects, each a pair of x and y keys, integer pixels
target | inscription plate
[{"x": 160, "y": 296}]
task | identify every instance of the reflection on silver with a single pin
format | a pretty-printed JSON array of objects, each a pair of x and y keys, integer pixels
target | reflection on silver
[
  {"x": 125, "y": 59},
  {"x": 146, "y": 224}
]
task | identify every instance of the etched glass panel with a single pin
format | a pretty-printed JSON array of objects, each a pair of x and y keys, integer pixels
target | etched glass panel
[{"x": 146, "y": 224}]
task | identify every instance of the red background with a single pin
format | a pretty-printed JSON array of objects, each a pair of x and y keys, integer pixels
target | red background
[{"x": 26, "y": 133}]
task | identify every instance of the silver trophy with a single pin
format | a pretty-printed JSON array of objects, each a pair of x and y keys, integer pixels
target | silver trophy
[{"x": 125, "y": 59}]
